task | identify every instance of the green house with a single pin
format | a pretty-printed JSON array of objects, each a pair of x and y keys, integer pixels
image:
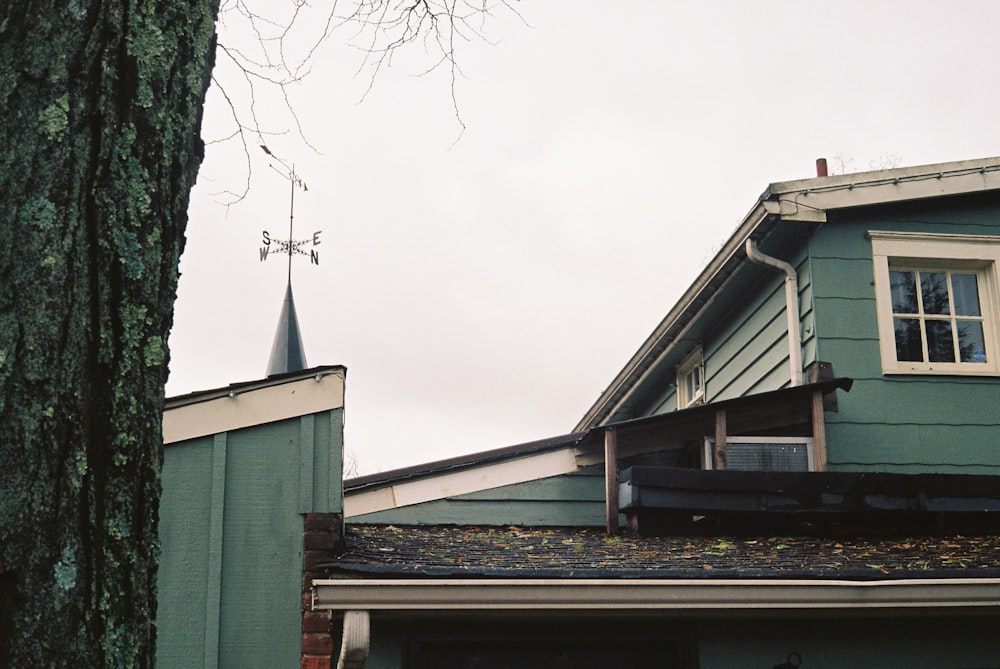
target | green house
[{"x": 798, "y": 468}]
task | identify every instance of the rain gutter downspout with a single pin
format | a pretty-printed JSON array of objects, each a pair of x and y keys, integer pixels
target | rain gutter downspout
[{"x": 791, "y": 306}]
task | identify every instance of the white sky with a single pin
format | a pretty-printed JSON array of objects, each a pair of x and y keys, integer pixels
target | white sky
[{"x": 484, "y": 293}]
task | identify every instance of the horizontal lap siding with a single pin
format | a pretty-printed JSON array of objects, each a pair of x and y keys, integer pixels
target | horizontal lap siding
[
  {"x": 558, "y": 501},
  {"x": 748, "y": 354},
  {"x": 899, "y": 423}
]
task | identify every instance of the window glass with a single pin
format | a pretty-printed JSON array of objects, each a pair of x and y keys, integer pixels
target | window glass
[
  {"x": 940, "y": 343},
  {"x": 966, "y": 293},
  {"x": 926, "y": 328},
  {"x": 904, "y": 294},
  {"x": 909, "y": 344},
  {"x": 934, "y": 292},
  {"x": 971, "y": 342}
]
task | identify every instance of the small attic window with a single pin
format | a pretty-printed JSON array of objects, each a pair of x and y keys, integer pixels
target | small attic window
[{"x": 691, "y": 380}]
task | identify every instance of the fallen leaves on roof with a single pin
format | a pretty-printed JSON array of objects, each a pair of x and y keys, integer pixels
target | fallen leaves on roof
[{"x": 518, "y": 552}]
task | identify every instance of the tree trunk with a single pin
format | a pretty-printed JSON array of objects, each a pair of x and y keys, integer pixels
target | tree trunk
[{"x": 99, "y": 147}]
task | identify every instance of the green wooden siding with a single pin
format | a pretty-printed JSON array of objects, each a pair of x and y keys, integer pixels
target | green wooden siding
[
  {"x": 746, "y": 352},
  {"x": 898, "y": 423},
  {"x": 230, "y": 580},
  {"x": 558, "y": 501}
]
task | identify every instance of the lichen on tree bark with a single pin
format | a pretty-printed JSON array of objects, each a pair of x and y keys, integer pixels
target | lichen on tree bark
[{"x": 99, "y": 148}]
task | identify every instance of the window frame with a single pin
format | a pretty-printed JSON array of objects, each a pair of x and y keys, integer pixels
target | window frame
[
  {"x": 965, "y": 254},
  {"x": 695, "y": 361}
]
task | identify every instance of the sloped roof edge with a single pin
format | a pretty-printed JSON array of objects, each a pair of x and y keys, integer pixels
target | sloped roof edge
[
  {"x": 577, "y": 440},
  {"x": 803, "y": 199},
  {"x": 250, "y": 403}
]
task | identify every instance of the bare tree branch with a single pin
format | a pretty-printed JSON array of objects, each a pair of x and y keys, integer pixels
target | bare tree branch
[{"x": 286, "y": 37}]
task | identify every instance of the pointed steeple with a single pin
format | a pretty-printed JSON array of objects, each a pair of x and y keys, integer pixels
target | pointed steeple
[{"x": 287, "y": 353}]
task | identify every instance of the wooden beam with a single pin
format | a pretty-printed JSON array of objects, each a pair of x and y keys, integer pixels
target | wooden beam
[
  {"x": 720, "y": 440},
  {"x": 611, "y": 479},
  {"x": 819, "y": 432}
]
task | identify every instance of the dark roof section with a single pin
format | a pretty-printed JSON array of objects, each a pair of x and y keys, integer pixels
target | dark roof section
[
  {"x": 461, "y": 462},
  {"x": 381, "y": 551},
  {"x": 287, "y": 353},
  {"x": 786, "y": 406}
]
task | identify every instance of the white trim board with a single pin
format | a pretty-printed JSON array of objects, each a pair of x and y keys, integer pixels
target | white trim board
[
  {"x": 254, "y": 406},
  {"x": 473, "y": 479}
]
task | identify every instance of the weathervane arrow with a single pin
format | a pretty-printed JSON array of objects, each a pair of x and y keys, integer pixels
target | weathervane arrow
[{"x": 290, "y": 246}]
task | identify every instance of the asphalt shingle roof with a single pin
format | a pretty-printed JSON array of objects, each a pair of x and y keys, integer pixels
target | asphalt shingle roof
[{"x": 515, "y": 552}]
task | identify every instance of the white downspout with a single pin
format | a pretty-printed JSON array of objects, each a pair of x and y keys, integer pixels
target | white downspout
[
  {"x": 356, "y": 642},
  {"x": 791, "y": 307}
]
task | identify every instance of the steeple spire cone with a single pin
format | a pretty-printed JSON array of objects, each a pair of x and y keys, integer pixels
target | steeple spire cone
[{"x": 287, "y": 352}]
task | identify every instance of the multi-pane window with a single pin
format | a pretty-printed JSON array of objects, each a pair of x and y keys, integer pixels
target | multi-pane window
[
  {"x": 937, "y": 303},
  {"x": 691, "y": 380},
  {"x": 936, "y": 316}
]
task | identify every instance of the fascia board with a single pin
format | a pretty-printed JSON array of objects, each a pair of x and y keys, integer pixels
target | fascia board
[
  {"x": 473, "y": 479},
  {"x": 810, "y": 198},
  {"x": 603, "y": 595},
  {"x": 255, "y": 405},
  {"x": 658, "y": 343}
]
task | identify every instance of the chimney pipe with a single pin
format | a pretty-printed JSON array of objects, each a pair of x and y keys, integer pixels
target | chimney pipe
[{"x": 821, "y": 167}]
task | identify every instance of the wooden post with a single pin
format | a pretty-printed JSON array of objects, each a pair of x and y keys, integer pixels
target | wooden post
[
  {"x": 720, "y": 440},
  {"x": 611, "y": 479},
  {"x": 819, "y": 432}
]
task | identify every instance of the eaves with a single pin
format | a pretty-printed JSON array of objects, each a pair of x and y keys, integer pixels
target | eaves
[{"x": 803, "y": 201}]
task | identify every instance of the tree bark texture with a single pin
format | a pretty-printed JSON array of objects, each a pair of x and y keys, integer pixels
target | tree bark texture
[{"x": 99, "y": 146}]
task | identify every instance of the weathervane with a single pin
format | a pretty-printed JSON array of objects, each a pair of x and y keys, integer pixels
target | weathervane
[
  {"x": 290, "y": 246},
  {"x": 287, "y": 353}
]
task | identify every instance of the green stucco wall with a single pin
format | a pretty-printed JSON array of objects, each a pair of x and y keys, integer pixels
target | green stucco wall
[
  {"x": 230, "y": 580},
  {"x": 899, "y": 423}
]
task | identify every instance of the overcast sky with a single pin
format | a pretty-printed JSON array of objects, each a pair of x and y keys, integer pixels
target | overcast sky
[{"x": 484, "y": 293}]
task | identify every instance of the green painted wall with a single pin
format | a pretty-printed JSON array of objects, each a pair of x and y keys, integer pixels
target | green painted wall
[
  {"x": 899, "y": 423},
  {"x": 567, "y": 500},
  {"x": 869, "y": 643},
  {"x": 230, "y": 589}
]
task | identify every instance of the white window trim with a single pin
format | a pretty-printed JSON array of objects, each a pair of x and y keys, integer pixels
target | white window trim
[
  {"x": 695, "y": 359},
  {"x": 946, "y": 251}
]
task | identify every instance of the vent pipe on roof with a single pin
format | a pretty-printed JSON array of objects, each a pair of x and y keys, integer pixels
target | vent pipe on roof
[
  {"x": 821, "y": 167},
  {"x": 791, "y": 307}
]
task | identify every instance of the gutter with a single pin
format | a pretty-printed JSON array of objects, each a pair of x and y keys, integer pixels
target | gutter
[
  {"x": 680, "y": 596},
  {"x": 791, "y": 307}
]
